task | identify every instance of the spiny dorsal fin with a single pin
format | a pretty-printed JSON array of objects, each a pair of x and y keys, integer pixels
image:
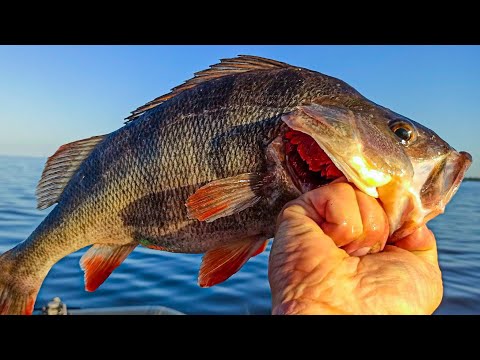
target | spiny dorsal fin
[
  {"x": 240, "y": 64},
  {"x": 60, "y": 168}
]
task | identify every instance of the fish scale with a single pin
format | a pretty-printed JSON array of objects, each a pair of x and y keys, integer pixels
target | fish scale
[{"x": 199, "y": 170}]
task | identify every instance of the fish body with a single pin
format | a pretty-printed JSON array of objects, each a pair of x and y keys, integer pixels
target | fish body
[{"x": 208, "y": 167}]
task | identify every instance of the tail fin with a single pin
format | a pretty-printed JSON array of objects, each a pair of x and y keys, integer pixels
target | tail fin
[{"x": 17, "y": 294}]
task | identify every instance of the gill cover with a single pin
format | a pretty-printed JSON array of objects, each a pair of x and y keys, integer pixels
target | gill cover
[{"x": 361, "y": 148}]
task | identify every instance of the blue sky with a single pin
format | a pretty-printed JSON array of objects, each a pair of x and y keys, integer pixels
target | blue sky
[{"x": 50, "y": 95}]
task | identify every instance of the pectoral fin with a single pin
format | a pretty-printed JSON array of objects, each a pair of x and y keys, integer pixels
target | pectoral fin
[
  {"x": 221, "y": 263},
  {"x": 225, "y": 197},
  {"x": 100, "y": 260}
]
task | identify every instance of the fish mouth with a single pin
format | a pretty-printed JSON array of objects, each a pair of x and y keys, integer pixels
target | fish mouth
[
  {"x": 434, "y": 186},
  {"x": 443, "y": 182},
  {"x": 457, "y": 165}
]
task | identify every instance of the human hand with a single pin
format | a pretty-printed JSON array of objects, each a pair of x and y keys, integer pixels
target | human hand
[{"x": 310, "y": 274}]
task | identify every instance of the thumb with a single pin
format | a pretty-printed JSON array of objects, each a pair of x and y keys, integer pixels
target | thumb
[
  {"x": 301, "y": 252},
  {"x": 300, "y": 245}
]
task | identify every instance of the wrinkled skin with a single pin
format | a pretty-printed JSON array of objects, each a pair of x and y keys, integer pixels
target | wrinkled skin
[{"x": 310, "y": 274}]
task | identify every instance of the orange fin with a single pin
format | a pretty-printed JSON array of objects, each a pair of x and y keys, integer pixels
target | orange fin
[
  {"x": 221, "y": 263},
  {"x": 14, "y": 303},
  {"x": 15, "y": 299},
  {"x": 17, "y": 293},
  {"x": 99, "y": 262},
  {"x": 261, "y": 248},
  {"x": 225, "y": 197}
]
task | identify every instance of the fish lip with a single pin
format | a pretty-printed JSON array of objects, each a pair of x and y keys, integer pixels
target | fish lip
[
  {"x": 465, "y": 162},
  {"x": 423, "y": 213},
  {"x": 467, "y": 157}
]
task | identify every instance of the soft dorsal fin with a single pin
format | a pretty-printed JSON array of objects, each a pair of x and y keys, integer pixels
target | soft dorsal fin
[
  {"x": 239, "y": 64},
  {"x": 60, "y": 168}
]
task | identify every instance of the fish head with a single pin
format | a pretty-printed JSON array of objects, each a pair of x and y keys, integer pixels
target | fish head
[
  {"x": 406, "y": 166},
  {"x": 437, "y": 171}
]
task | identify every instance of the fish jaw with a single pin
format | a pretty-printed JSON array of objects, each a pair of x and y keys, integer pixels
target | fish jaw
[
  {"x": 444, "y": 180},
  {"x": 435, "y": 183}
]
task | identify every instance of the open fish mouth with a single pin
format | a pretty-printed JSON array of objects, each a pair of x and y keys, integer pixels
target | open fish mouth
[
  {"x": 444, "y": 179},
  {"x": 434, "y": 185}
]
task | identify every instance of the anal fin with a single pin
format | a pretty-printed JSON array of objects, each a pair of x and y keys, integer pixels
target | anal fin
[
  {"x": 222, "y": 262},
  {"x": 100, "y": 260}
]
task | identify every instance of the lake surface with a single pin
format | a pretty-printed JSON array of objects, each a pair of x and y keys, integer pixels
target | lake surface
[{"x": 149, "y": 277}]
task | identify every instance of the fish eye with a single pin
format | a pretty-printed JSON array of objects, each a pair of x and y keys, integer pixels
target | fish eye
[{"x": 404, "y": 131}]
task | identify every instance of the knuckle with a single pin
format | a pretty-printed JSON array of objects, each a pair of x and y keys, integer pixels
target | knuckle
[{"x": 292, "y": 210}]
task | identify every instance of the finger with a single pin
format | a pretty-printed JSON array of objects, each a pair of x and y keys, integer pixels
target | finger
[
  {"x": 421, "y": 242},
  {"x": 352, "y": 219},
  {"x": 299, "y": 240},
  {"x": 338, "y": 211},
  {"x": 300, "y": 250},
  {"x": 298, "y": 232},
  {"x": 375, "y": 227},
  {"x": 421, "y": 239}
]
